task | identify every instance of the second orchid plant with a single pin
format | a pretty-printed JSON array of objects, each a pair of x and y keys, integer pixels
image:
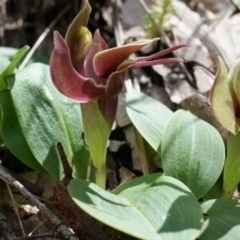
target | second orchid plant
[
  {"x": 85, "y": 70},
  {"x": 225, "y": 100}
]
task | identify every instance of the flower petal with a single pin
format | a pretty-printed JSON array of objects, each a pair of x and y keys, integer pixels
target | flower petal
[
  {"x": 106, "y": 62},
  {"x": 66, "y": 79},
  {"x": 98, "y": 45},
  {"x": 116, "y": 79},
  {"x": 162, "y": 53},
  {"x": 221, "y": 99},
  {"x": 78, "y": 37},
  {"x": 131, "y": 63}
]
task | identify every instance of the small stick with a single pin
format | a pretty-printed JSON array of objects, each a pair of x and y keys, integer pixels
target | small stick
[
  {"x": 63, "y": 231},
  {"x": 31, "y": 233},
  {"x": 16, "y": 210},
  {"x": 41, "y": 236}
]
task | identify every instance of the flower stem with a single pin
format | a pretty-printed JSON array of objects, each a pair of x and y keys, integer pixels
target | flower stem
[{"x": 96, "y": 132}]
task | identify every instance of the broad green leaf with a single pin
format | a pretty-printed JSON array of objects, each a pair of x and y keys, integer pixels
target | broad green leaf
[
  {"x": 231, "y": 173},
  {"x": 46, "y": 117},
  {"x": 12, "y": 134},
  {"x": 221, "y": 219},
  {"x": 193, "y": 152},
  {"x": 149, "y": 116},
  {"x": 152, "y": 207},
  {"x": 11, "y": 67}
]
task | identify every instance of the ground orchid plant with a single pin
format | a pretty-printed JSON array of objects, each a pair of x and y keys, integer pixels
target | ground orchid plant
[
  {"x": 225, "y": 100},
  {"x": 186, "y": 200},
  {"x": 85, "y": 70}
]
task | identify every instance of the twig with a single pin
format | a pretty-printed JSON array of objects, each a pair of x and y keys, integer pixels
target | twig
[
  {"x": 166, "y": 40},
  {"x": 63, "y": 231},
  {"x": 31, "y": 233},
  {"x": 41, "y": 236},
  {"x": 27, "y": 184},
  {"x": 43, "y": 35},
  {"x": 16, "y": 210}
]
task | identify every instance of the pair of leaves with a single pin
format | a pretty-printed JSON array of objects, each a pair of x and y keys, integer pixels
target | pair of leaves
[
  {"x": 151, "y": 207},
  {"x": 158, "y": 207},
  {"x": 35, "y": 117},
  {"x": 191, "y": 150}
]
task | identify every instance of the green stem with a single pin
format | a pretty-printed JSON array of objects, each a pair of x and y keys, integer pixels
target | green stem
[{"x": 96, "y": 132}]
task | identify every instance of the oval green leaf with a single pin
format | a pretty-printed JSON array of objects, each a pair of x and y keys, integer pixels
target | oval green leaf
[
  {"x": 193, "y": 152},
  {"x": 149, "y": 116},
  {"x": 221, "y": 219},
  {"x": 152, "y": 207},
  {"x": 46, "y": 117}
]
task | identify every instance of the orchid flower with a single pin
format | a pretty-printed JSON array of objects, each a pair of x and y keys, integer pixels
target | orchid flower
[
  {"x": 85, "y": 70},
  {"x": 225, "y": 96}
]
